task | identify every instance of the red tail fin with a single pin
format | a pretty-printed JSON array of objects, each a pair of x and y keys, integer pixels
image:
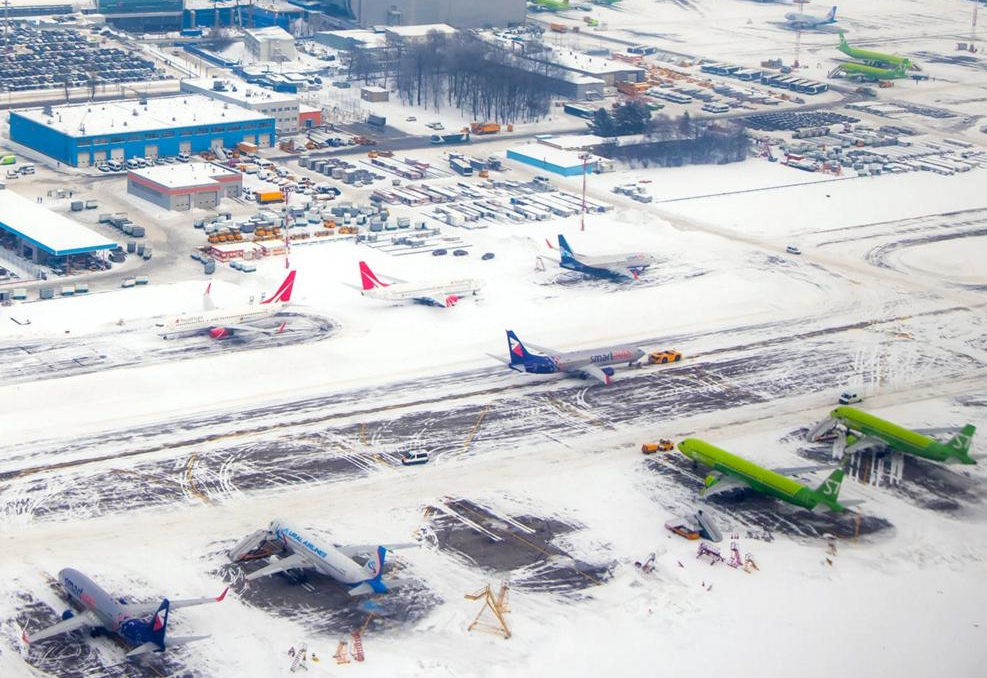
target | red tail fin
[
  {"x": 283, "y": 294},
  {"x": 368, "y": 278}
]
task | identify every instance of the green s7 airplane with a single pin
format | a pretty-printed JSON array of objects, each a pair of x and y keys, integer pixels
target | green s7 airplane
[
  {"x": 867, "y": 431},
  {"x": 874, "y": 58},
  {"x": 729, "y": 471},
  {"x": 874, "y": 72}
]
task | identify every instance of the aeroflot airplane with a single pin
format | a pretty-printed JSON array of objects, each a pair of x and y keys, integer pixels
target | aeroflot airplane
[
  {"x": 444, "y": 293},
  {"x": 225, "y": 322}
]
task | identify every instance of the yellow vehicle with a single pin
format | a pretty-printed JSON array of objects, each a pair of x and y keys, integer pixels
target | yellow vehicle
[
  {"x": 663, "y": 445},
  {"x": 666, "y": 356}
]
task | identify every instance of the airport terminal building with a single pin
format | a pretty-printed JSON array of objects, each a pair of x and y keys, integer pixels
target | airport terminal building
[{"x": 90, "y": 133}]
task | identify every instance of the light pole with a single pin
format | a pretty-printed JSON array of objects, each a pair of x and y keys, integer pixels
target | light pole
[{"x": 582, "y": 219}]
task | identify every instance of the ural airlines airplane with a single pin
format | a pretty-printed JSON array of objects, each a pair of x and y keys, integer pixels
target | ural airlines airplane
[
  {"x": 441, "y": 293},
  {"x": 102, "y": 613},
  {"x": 592, "y": 363},
  {"x": 225, "y": 322},
  {"x": 333, "y": 561},
  {"x": 608, "y": 266}
]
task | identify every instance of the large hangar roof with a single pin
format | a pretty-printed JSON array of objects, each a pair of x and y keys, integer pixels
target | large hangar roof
[{"x": 48, "y": 230}]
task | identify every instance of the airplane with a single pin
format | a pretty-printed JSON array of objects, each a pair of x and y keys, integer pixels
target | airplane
[
  {"x": 799, "y": 20},
  {"x": 102, "y": 613},
  {"x": 610, "y": 266},
  {"x": 441, "y": 293},
  {"x": 875, "y": 72},
  {"x": 225, "y": 322},
  {"x": 331, "y": 560},
  {"x": 739, "y": 472},
  {"x": 549, "y": 5},
  {"x": 866, "y": 431},
  {"x": 873, "y": 58},
  {"x": 592, "y": 363}
]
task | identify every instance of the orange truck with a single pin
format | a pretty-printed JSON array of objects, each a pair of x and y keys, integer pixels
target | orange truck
[
  {"x": 484, "y": 127},
  {"x": 557, "y": 28},
  {"x": 246, "y": 147},
  {"x": 632, "y": 88},
  {"x": 266, "y": 197}
]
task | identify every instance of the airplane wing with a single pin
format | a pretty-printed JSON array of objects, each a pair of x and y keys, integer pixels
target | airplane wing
[
  {"x": 798, "y": 470},
  {"x": 625, "y": 271},
  {"x": 365, "y": 589},
  {"x": 260, "y": 330},
  {"x": 292, "y": 562},
  {"x": 147, "y": 608},
  {"x": 440, "y": 300},
  {"x": 542, "y": 349},
  {"x": 596, "y": 373},
  {"x": 371, "y": 549},
  {"x": 865, "y": 443},
  {"x": 87, "y": 618},
  {"x": 170, "y": 642},
  {"x": 722, "y": 484}
]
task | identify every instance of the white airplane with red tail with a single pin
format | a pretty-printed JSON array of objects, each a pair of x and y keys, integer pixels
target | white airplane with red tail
[
  {"x": 440, "y": 293},
  {"x": 225, "y": 322}
]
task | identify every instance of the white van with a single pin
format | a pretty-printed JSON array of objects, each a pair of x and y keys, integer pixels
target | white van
[
  {"x": 849, "y": 398},
  {"x": 26, "y": 169}
]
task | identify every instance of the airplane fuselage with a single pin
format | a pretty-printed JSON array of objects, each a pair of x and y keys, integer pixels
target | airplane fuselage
[
  {"x": 88, "y": 595},
  {"x": 206, "y": 320},
  {"x": 602, "y": 266},
  {"x": 896, "y": 437},
  {"x": 325, "y": 558},
  {"x": 576, "y": 360},
  {"x": 756, "y": 477},
  {"x": 409, "y": 291}
]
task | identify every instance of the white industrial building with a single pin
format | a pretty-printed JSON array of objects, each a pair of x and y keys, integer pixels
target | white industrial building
[
  {"x": 458, "y": 13},
  {"x": 272, "y": 43},
  {"x": 283, "y": 107},
  {"x": 185, "y": 186}
]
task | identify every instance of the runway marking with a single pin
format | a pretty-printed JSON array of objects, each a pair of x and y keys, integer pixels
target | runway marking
[
  {"x": 473, "y": 431},
  {"x": 444, "y": 399},
  {"x": 190, "y": 481}
]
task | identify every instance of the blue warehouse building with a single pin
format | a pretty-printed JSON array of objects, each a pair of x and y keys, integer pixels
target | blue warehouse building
[
  {"x": 91, "y": 133},
  {"x": 542, "y": 156}
]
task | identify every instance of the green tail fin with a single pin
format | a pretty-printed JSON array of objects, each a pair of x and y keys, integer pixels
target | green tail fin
[
  {"x": 959, "y": 444},
  {"x": 829, "y": 491}
]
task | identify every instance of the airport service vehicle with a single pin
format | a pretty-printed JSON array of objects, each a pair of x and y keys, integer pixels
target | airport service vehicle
[
  {"x": 728, "y": 471},
  {"x": 103, "y": 613},
  {"x": 414, "y": 458},
  {"x": 864, "y": 431},
  {"x": 596, "y": 363},
  {"x": 793, "y": 249},
  {"x": 225, "y": 322},
  {"x": 849, "y": 398},
  {"x": 442, "y": 293},
  {"x": 8, "y": 159},
  {"x": 799, "y": 20},
  {"x": 608, "y": 266},
  {"x": 335, "y": 561},
  {"x": 662, "y": 357},
  {"x": 663, "y": 445}
]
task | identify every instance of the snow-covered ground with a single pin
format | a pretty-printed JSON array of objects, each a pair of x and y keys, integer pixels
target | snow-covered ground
[{"x": 144, "y": 471}]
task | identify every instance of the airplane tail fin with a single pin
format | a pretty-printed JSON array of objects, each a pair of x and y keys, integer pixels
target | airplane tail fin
[
  {"x": 159, "y": 624},
  {"x": 843, "y": 42},
  {"x": 207, "y": 302},
  {"x": 828, "y": 493},
  {"x": 283, "y": 295},
  {"x": 832, "y": 14},
  {"x": 515, "y": 349},
  {"x": 959, "y": 444},
  {"x": 369, "y": 279},
  {"x": 375, "y": 565},
  {"x": 565, "y": 249}
]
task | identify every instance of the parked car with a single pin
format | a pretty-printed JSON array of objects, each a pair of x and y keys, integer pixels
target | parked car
[
  {"x": 849, "y": 398},
  {"x": 487, "y": 256},
  {"x": 792, "y": 249},
  {"x": 414, "y": 458},
  {"x": 459, "y": 253},
  {"x": 438, "y": 253}
]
